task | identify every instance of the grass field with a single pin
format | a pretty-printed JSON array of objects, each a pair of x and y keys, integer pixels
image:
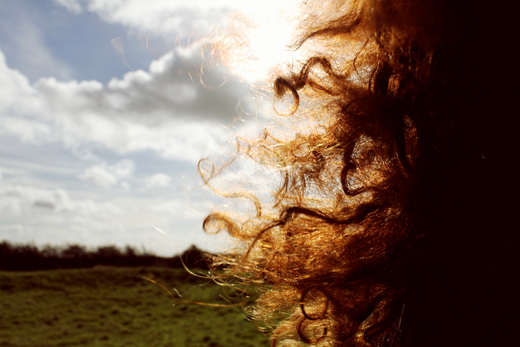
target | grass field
[{"x": 116, "y": 307}]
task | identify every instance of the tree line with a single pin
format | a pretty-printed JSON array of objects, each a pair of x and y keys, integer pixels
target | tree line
[{"x": 28, "y": 257}]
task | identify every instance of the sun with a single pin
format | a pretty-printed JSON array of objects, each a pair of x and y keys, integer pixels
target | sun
[{"x": 268, "y": 34}]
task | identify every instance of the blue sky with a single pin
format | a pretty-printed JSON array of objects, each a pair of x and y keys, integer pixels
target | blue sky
[{"x": 94, "y": 145}]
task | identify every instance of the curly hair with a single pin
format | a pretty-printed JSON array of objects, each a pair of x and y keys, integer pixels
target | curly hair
[{"x": 392, "y": 222}]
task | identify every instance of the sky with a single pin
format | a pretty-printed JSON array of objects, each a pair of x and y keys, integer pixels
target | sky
[{"x": 103, "y": 119}]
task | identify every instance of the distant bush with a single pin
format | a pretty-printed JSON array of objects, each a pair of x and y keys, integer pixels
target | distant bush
[{"x": 20, "y": 257}]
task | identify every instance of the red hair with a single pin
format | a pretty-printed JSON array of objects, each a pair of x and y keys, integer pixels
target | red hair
[{"x": 379, "y": 230}]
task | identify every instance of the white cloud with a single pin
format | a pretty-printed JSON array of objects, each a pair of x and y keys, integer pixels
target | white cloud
[
  {"x": 269, "y": 27},
  {"x": 17, "y": 200},
  {"x": 157, "y": 180},
  {"x": 30, "y": 214},
  {"x": 17, "y": 96},
  {"x": 162, "y": 110},
  {"x": 163, "y": 16},
  {"x": 166, "y": 16},
  {"x": 125, "y": 185},
  {"x": 106, "y": 176},
  {"x": 123, "y": 169},
  {"x": 29, "y": 131},
  {"x": 99, "y": 176},
  {"x": 21, "y": 107},
  {"x": 73, "y": 6}
]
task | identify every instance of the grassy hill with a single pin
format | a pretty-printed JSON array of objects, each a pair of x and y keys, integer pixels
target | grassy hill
[{"x": 117, "y": 307}]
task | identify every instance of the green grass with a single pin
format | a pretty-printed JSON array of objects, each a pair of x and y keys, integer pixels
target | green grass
[{"x": 116, "y": 307}]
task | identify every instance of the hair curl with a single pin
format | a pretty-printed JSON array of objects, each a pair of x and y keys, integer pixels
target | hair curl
[{"x": 379, "y": 230}]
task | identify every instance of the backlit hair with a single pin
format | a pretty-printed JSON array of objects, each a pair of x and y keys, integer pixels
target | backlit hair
[{"x": 389, "y": 223}]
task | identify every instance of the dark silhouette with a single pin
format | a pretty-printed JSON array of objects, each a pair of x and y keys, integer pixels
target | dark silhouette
[
  {"x": 393, "y": 222},
  {"x": 15, "y": 257}
]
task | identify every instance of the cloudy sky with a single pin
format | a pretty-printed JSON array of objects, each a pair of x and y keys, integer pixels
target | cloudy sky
[{"x": 103, "y": 118}]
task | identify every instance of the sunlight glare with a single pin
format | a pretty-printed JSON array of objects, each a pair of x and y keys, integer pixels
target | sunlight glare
[{"x": 271, "y": 32}]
